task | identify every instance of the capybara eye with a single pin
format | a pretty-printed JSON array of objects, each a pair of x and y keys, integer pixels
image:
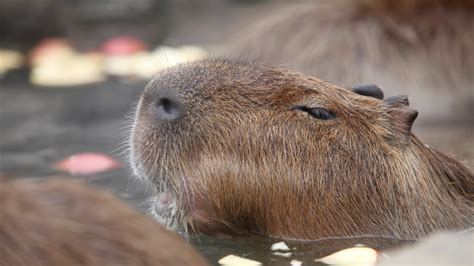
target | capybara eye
[{"x": 318, "y": 112}]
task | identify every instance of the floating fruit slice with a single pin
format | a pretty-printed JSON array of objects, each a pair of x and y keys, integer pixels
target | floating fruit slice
[
  {"x": 51, "y": 49},
  {"x": 121, "y": 54},
  {"x": 356, "y": 256},
  {"x": 10, "y": 59},
  {"x": 87, "y": 164},
  {"x": 123, "y": 45},
  {"x": 232, "y": 260},
  {"x": 296, "y": 263},
  {"x": 72, "y": 70},
  {"x": 280, "y": 246}
]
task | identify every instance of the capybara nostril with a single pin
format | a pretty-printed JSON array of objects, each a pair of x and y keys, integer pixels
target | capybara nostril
[{"x": 168, "y": 108}]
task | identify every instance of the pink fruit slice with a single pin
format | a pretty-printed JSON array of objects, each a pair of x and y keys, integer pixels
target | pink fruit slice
[
  {"x": 87, "y": 164},
  {"x": 123, "y": 45},
  {"x": 50, "y": 49}
]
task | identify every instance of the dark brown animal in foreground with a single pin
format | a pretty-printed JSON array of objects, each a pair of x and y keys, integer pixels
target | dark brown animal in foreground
[
  {"x": 422, "y": 48},
  {"x": 60, "y": 222},
  {"x": 238, "y": 147}
]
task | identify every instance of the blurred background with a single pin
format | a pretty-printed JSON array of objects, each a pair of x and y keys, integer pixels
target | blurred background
[{"x": 72, "y": 71}]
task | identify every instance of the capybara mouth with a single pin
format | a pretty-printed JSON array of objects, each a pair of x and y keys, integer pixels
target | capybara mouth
[
  {"x": 233, "y": 147},
  {"x": 186, "y": 219},
  {"x": 166, "y": 205},
  {"x": 165, "y": 210}
]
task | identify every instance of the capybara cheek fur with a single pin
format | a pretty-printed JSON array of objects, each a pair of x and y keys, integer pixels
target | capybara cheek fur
[
  {"x": 61, "y": 222},
  {"x": 235, "y": 147}
]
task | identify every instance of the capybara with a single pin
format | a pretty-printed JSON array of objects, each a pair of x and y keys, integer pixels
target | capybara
[
  {"x": 422, "y": 48},
  {"x": 439, "y": 249},
  {"x": 234, "y": 147},
  {"x": 61, "y": 222}
]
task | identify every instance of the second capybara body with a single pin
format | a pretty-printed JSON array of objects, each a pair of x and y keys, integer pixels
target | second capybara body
[
  {"x": 60, "y": 222},
  {"x": 233, "y": 147},
  {"x": 446, "y": 248},
  {"x": 417, "y": 47}
]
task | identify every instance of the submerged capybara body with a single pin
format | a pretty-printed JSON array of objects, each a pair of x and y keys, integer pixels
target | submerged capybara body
[
  {"x": 237, "y": 147},
  {"x": 59, "y": 222},
  {"x": 417, "y": 47}
]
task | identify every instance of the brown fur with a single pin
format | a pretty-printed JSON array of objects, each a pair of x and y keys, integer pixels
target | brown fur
[
  {"x": 59, "y": 222},
  {"x": 410, "y": 7},
  {"x": 241, "y": 159},
  {"x": 417, "y": 47}
]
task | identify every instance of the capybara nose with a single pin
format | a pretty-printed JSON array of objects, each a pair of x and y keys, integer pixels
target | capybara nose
[{"x": 168, "y": 106}]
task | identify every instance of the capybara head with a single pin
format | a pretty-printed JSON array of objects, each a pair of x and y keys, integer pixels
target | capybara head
[
  {"x": 61, "y": 222},
  {"x": 234, "y": 147}
]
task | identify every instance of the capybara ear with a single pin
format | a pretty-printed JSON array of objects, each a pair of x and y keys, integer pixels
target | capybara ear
[
  {"x": 403, "y": 115},
  {"x": 369, "y": 90}
]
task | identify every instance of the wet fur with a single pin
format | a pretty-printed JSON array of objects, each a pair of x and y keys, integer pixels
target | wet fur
[
  {"x": 417, "y": 47},
  {"x": 242, "y": 160},
  {"x": 59, "y": 222}
]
